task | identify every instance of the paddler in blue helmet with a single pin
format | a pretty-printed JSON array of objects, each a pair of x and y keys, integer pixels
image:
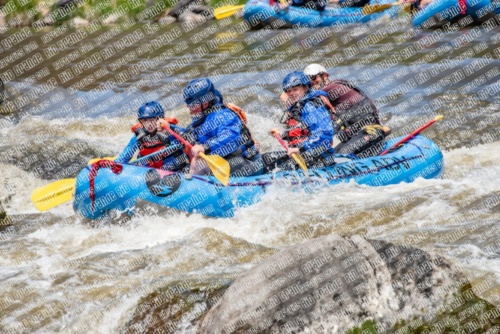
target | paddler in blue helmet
[
  {"x": 218, "y": 130},
  {"x": 150, "y": 137},
  {"x": 309, "y": 130}
]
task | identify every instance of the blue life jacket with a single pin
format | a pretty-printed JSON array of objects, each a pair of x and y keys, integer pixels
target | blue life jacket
[
  {"x": 220, "y": 131},
  {"x": 310, "y": 128}
]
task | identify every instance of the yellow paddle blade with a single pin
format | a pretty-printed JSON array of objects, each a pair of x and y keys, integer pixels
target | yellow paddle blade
[
  {"x": 53, "y": 194},
  {"x": 226, "y": 11},
  {"x": 300, "y": 161},
  {"x": 219, "y": 166},
  {"x": 369, "y": 9},
  {"x": 91, "y": 161}
]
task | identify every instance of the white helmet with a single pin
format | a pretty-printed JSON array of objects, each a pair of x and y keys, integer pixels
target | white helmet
[{"x": 314, "y": 69}]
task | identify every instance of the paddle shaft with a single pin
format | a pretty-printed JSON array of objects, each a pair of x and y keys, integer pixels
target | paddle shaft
[
  {"x": 144, "y": 160},
  {"x": 179, "y": 138},
  {"x": 413, "y": 134},
  {"x": 297, "y": 157},
  {"x": 282, "y": 142}
]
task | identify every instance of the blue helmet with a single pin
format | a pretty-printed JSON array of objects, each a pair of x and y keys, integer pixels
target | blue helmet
[
  {"x": 150, "y": 110},
  {"x": 219, "y": 96},
  {"x": 200, "y": 91},
  {"x": 295, "y": 78}
]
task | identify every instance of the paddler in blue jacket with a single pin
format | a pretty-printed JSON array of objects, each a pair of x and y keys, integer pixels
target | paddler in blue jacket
[
  {"x": 149, "y": 137},
  {"x": 309, "y": 130},
  {"x": 218, "y": 130}
]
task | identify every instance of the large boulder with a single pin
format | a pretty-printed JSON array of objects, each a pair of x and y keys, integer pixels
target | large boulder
[{"x": 334, "y": 284}]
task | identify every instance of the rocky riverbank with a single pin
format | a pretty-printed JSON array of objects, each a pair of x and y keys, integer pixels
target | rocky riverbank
[
  {"x": 330, "y": 284},
  {"x": 39, "y": 14}
]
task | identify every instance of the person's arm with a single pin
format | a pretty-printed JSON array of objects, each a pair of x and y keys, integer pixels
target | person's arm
[{"x": 129, "y": 151}]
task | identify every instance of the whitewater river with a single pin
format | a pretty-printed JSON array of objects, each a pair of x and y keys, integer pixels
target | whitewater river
[{"x": 59, "y": 274}]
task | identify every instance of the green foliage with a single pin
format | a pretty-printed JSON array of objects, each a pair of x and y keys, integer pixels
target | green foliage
[{"x": 367, "y": 327}]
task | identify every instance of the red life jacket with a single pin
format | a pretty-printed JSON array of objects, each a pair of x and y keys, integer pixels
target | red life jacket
[
  {"x": 296, "y": 134},
  {"x": 150, "y": 143}
]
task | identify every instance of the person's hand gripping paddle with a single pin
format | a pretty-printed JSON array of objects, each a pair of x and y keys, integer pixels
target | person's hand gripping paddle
[
  {"x": 297, "y": 157},
  {"x": 218, "y": 165}
]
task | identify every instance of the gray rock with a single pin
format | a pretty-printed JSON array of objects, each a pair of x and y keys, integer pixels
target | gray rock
[
  {"x": 194, "y": 11},
  {"x": 192, "y": 17},
  {"x": 331, "y": 285},
  {"x": 2, "y": 91}
]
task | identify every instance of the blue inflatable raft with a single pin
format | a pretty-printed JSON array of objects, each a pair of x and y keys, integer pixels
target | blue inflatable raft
[
  {"x": 419, "y": 157},
  {"x": 461, "y": 12},
  {"x": 259, "y": 13}
]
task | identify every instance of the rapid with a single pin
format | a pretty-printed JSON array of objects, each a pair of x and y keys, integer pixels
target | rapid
[{"x": 59, "y": 273}]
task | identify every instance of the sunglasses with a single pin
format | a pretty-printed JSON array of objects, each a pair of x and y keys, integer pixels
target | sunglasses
[{"x": 313, "y": 77}]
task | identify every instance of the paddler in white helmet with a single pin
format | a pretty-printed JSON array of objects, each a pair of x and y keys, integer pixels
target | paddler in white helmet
[{"x": 355, "y": 117}]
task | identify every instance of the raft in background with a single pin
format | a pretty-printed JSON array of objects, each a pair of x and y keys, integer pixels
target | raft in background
[
  {"x": 462, "y": 12},
  {"x": 259, "y": 13},
  {"x": 420, "y": 157}
]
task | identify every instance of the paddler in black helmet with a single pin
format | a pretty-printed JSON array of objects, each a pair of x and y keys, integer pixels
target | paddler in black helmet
[
  {"x": 149, "y": 137},
  {"x": 355, "y": 117}
]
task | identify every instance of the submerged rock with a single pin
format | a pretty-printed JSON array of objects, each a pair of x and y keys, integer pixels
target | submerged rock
[{"x": 331, "y": 285}]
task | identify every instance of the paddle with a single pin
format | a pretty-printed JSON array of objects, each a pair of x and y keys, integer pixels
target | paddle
[
  {"x": 218, "y": 165},
  {"x": 226, "y": 11},
  {"x": 297, "y": 157},
  {"x": 58, "y": 192},
  {"x": 370, "y": 9},
  {"x": 413, "y": 134}
]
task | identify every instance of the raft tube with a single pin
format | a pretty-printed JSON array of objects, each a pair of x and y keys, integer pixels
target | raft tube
[
  {"x": 463, "y": 13},
  {"x": 259, "y": 14},
  {"x": 420, "y": 157}
]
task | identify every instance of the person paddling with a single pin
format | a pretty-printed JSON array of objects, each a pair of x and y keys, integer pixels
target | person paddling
[
  {"x": 149, "y": 137},
  {"x": 218, "y": 130},
  {"x": 309, "y": 130},
  {"x": 355, "y": 117}
]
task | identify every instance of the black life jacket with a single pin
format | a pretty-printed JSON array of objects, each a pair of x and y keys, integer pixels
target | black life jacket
[
  {"x": 349, "y": 121},
  {"x": 296, "y": 130}
]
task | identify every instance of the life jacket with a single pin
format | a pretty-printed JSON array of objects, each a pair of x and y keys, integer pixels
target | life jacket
[
  {"x": 349, "y": 121},
  {"x": 150, "y": 143},
  {"x": 248, "y": 148},
  {"x": 297, "y": 131}
]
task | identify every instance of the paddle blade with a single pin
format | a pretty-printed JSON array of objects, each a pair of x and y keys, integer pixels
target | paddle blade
[
  {"x": 300, "y": 161},
  {"x": 219, "y": 167},
  {"x": 226, "y": 11},
  {"x": 370, "y": 9},
  {"x": 53, "y": 194}
]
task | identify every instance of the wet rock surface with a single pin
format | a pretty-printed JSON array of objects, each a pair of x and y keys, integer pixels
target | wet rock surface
[
  {"x": 194, "y": 11},
  {"x": 2, "y": 90},
  {"x": 333, "y": 285}
]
